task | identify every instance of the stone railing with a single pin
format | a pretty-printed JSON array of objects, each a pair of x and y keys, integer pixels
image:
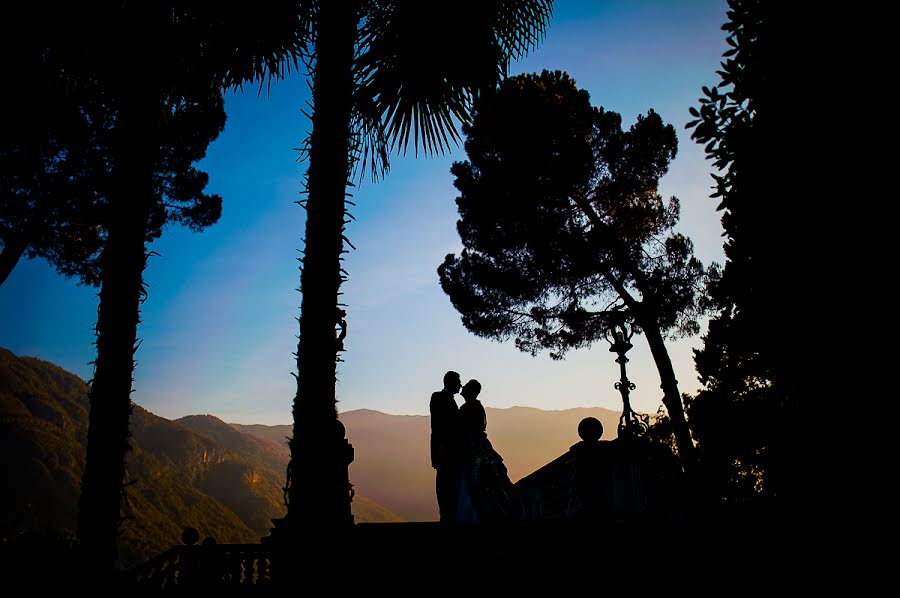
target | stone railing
[
  {"x": 595, "y": 479},
  {"x": 208, "y": 565}
]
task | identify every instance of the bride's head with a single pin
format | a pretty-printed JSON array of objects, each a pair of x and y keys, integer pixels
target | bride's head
[{"x": 471, "y": 389}]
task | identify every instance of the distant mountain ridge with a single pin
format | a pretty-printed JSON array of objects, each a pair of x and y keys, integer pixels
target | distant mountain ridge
[
  {"x": 226, "y": 479},
  {"x": 393, "y": 462},
  {"x": 197, "y": 471}
]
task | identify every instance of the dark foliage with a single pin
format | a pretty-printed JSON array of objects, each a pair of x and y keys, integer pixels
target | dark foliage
[
  {"x": 58, "y": 147},
  {"x": 774, "y": 384},
  {"x": 56, "y": 162},
  {"x": 747, "y": 409}
]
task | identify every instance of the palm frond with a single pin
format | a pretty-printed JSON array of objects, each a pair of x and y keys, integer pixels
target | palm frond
[
  {"x": 237, "y": 46},
  {"x": 370, "y": 144},
  {"x": 424, "y": 73}
]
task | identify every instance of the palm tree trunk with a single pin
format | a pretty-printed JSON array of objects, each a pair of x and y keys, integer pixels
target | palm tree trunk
[
  {"x": 317, "y": 493},
  {"x": 123, "y": 260}
]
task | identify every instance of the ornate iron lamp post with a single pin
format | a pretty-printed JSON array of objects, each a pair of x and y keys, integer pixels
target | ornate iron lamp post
[
  {"x": 619, "y": 336},
  {"x": 631, "y": 425}
]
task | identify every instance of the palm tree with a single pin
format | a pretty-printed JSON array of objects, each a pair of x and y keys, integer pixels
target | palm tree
[
  {"x": 143, "y": 56},
  {"x": 381, "y": 71}
]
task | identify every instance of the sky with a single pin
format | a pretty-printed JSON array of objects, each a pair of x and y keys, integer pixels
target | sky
[{"x": 219, "y": 326}]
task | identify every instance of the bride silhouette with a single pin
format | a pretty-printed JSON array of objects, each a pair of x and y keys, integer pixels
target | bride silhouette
[{"x": 485, "y": 493}]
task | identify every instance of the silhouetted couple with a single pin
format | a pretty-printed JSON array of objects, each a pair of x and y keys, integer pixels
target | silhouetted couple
[{"x": 471, "y": 481}]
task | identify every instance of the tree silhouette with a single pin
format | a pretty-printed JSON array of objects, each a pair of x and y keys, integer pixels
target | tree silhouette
[
  {"x": 48, "y": 148},
  {"x": 785, "y": 359},
  {"x": 739, "y": 417},
  {"x": 562, "y": 226},
  {"x": 56, "y": 159},
  {"x": 160, "y": 67},
  {"x": 381, "y": 72}
]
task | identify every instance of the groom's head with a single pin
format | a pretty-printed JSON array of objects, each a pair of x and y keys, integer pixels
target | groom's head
[{"x": 452, "y": 382}]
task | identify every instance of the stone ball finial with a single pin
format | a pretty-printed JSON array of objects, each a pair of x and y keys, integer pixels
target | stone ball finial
[
  {"x": 190, "y": 536},
  {"x": 590, "y": 429}
]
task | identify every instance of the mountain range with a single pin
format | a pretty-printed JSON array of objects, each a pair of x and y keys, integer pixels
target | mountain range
[
  {"x": 393, "y": 463},
  {"x": 225, "y": 479}
]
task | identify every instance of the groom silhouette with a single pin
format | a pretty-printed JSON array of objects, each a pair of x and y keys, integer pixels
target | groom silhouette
[{"x": 445, "y": 445}]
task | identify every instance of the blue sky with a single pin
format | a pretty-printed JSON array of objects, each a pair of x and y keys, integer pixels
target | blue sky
[{"x": 219, "y": 325}]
